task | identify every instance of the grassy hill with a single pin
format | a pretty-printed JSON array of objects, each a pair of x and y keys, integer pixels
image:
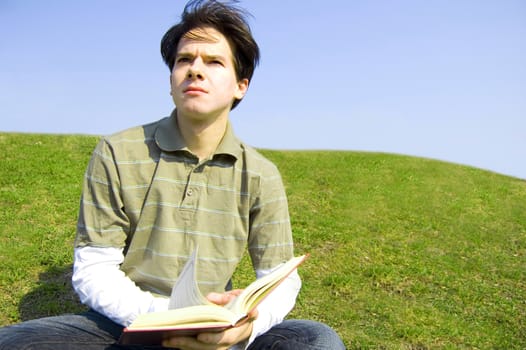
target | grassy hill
[{"x": 407, "y": 253}]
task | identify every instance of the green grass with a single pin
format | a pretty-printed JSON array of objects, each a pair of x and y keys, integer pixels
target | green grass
[{"x": 406, "y": 253}]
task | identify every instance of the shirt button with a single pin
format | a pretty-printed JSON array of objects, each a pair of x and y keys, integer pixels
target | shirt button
[{"x": 189, "y": 192}]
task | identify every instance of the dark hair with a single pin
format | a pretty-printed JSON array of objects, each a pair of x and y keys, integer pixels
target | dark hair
[{"x": 227, "y": 19}]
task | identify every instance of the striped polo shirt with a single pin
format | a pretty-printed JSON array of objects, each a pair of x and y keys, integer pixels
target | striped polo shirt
[{"x": 144, "y": 191}]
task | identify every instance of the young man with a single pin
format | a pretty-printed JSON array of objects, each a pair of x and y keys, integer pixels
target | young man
[{"x": 153, "y": 193}]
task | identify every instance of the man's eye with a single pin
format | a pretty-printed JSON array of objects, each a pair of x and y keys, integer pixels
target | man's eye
[
  {"x": 182, "y": 60},
  {"x": 216, "y": 62}
]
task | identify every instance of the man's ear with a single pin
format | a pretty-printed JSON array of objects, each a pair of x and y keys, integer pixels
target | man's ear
[
  {"x": 242, "y": 87},
  {"x": 170, "y": 77}
]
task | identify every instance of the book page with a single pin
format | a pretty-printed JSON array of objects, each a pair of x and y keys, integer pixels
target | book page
[
  {"x": 194, "y": 316},
  {"x": 260, "y": 288},
  {"x": 186, "y": 292}
]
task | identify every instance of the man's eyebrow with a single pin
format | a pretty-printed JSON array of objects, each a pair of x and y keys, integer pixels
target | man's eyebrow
[
  {"x": 184, "y": 54},
  {"x": 214, "y": 57},
  {"x": 210, "y": 56}
]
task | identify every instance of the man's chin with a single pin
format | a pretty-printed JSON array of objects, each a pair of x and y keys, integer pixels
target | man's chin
[{"x": 200, "y": 113}]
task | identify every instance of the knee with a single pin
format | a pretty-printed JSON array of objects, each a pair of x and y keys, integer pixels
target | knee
[
  {"x": 323, "y": 335},
  {"x": 14, "y": 337},
  {"x": 312, "y": 334}
]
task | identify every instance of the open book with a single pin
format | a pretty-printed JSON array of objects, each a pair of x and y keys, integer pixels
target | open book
[{"x": 191, "y": 313}]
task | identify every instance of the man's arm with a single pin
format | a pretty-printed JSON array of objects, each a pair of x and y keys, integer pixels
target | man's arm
[
  {"x": 102, "y": 286},
  {"x": 101, "y": 233},
  {"x": 270, "y": 243}
]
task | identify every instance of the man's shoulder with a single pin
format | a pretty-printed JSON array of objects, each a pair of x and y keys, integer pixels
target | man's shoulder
[
  {"x": 137, "y": 142},
  {"x": 257, "y": 162},
  {"x": 143, "y": 133}
]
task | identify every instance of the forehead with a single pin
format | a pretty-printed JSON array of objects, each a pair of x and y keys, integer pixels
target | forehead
[{"x": 205, "y": 38}]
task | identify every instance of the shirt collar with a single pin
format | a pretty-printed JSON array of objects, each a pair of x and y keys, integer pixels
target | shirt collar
[{"x": 168, "y": 137}]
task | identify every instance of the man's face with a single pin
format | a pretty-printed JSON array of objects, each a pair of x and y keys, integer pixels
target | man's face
[{"x": 203, "y": 79}]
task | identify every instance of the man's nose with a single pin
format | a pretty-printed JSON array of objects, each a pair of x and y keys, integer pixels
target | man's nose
[{"x": 195, "y": 70}]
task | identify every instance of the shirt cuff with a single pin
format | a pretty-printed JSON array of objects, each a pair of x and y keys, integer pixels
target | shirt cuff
[{"x": 275, "y": 307}]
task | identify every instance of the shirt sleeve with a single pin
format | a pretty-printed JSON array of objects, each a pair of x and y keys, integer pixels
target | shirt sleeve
[
  {"x": 102, "y": 286},
  {"x": 270, "y": 234},
  {"x": 102, "y": 220}
]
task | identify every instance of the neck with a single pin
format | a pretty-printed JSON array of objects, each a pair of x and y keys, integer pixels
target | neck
[{"x": 202, "y": 136}]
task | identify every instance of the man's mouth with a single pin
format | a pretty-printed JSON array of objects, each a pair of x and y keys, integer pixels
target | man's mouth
[{"x": 194, "y": 89}]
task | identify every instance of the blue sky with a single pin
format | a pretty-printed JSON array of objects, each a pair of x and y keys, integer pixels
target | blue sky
[{"x": 437, "y": 79}]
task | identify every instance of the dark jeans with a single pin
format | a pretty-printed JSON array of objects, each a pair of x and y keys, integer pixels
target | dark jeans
[{"x": 93, "y": 331}]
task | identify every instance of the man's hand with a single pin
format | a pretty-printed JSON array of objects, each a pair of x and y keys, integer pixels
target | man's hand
[{"x": 216, "y": 340}]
